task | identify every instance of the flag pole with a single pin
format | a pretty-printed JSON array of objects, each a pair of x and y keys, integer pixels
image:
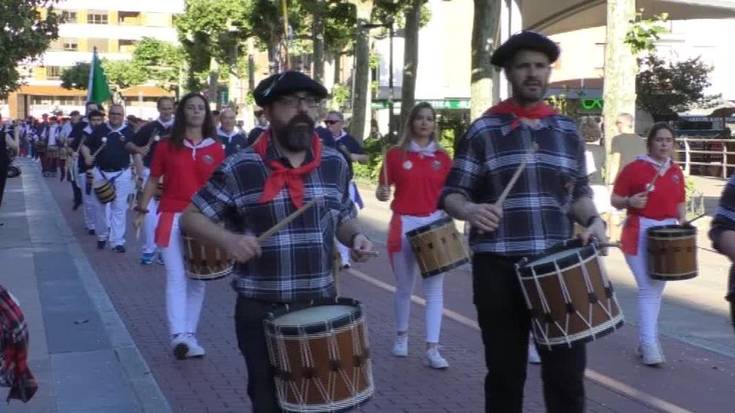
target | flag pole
[{"x": 90, "y": 79}]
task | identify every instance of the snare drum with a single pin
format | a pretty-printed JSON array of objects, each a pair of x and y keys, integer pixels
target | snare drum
[
  {"x": 52, "y": 152},
  {"x": 320, "y": 356},
  {"x": 105, "y": 192},
  {"x": 672, "y": 252},
  {"x": 438, "y": 247},
  {"x": 569, "y": 295},
  {"x": 203, "y": 261}
]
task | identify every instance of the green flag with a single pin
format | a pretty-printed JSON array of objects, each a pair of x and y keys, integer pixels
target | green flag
[{"x": 97, "y": 89}]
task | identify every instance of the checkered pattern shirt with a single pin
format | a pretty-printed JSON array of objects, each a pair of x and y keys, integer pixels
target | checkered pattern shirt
[
  {"x": 296, "y": 262},
  {"x": 14, "y": 371},
  {"x": 536, "y": 212}
]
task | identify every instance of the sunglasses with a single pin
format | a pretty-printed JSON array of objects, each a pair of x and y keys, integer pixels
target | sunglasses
[{"x": 331, "y": 122}]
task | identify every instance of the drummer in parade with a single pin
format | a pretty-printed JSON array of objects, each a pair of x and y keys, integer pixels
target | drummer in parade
[
  {"x": 553, "y": 186},
  {"x": 111, "y": 165},
  {"x": 652, "y": 190},
  {"x": 417, "y": 167},
  {"x": 142, "y": 148},
  {"x": 256, "y": 189},
  {"x": 232, "y": 138},
  {"x": 94, "y": 119},
  {"x": 722, "y": 235},
  {"x": 185, "y": 160}
]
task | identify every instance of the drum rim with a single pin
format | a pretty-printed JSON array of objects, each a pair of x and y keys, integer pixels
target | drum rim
[
  {"x": 526, "y": 269},
  {"x": 604, "y": 329},
  {"x": 681, "y": 230},
  {"x": 432, "y": 225},
  {"x": 317, "y": 327}
]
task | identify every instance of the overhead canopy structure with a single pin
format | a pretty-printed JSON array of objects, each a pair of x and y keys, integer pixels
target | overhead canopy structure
[{"x": 561, "y": 16}]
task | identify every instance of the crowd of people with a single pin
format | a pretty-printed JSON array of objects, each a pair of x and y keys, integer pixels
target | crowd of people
[{"x": 194, "y": 172}]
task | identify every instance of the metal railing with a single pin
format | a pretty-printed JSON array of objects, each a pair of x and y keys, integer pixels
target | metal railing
[{"x": 710, "y": 154}]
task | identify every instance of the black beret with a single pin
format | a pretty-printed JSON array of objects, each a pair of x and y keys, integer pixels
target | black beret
[
  {"x": 284, "y": 83},
  {"x": 525, "y": 40}
]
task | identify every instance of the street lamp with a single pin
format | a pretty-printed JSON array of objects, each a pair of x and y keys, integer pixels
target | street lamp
[{"x": 389, "y": 25}]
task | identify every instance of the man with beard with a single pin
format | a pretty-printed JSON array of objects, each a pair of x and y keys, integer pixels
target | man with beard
[
  {"x": 142, "y": 147},
  {"x": 552, "y": 190},
  {"x": 93, "y": 120},
  {"x": 259, "y": 187},
  {"x": 232, "y": 139}
]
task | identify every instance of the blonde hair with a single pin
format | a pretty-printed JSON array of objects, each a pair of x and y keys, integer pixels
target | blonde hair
[{"x": 407, "y": 134}]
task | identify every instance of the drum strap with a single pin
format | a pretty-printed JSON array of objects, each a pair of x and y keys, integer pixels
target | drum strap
[{"x": 111, "y": 180}]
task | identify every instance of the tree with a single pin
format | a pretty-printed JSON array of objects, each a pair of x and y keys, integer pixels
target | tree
[
  {"x": 410, "y": 57},
  {"x": 25, "y": 35},
  {"x": 484, "y": 32},
  {"x": 665, "y": 88},
  {"x": 159, "y": 61},
  {"x": 121, "y": 74},
  {"x": 75, "y": 77}
]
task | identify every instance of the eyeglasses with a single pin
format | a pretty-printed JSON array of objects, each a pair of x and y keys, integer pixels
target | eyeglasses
[
  {"x": 331, "y": 121},
  {"x": 295, "y": 101}
]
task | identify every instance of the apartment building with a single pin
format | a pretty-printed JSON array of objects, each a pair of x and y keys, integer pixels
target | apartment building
[{"x": 113, "y": 27}]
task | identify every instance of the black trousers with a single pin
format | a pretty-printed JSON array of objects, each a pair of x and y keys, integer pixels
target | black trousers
[
  {"x": 505, "y": 323},
  {"x": 77, "y": 192},
  {"x": 731, "y": 295},
  {"x": 249, "y": 315},
  {"x": 4, "y": 166}
]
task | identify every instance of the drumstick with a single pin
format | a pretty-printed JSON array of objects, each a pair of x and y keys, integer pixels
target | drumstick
[
  {"x": 516, "y": 175},
  {"x": 286, "y": 221},
  {"x": 685, "y": 223},
  {"x": 104, "y": 142},
  {"x": 608, "y": 245}
]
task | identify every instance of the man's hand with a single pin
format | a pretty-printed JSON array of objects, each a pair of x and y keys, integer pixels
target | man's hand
[
  {"x": 638, "y": 200},
  {"x": 484, "y": 217},
  {"x": 242, "y": 248},
  {"x": 362, "y": 248},
  {"x": 382, "y": 193},
  {"x": 596, "y": 231}
]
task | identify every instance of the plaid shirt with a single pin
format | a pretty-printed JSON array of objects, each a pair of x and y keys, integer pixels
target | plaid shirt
[
  {"x": 296, "y": 262},
  {"x": 725, "y": 221},
  {"x": 536, "y": 212},
  {"x": 14, "y": 371}
]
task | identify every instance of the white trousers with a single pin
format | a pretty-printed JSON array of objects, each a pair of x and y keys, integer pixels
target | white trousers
[
  {"x": 148, "y": 244},
  {"x": 344, "y": 250},
  {"x": 650, "y": 291},
  {"x": 405, "y": 269},
  {"x": 88, "y": 202},
  {"x": 118, "y": 208},
  {"x": 184, "y": 297}
]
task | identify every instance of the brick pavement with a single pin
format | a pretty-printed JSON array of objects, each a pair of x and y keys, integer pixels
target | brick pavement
[{"x": 217, "y": 382}]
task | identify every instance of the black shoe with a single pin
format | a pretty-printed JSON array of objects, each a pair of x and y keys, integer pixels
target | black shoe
[
  {"x": 90, "y": 231},
  {"x": 119, "y": 248},
  {"x": 101, "y": 245},
  {"x": 76, "y": 206}
]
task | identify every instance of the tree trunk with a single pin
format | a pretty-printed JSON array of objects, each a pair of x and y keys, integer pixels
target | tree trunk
[
  {"x": 485, "y": 30},
  {"x": 213, "y": 82},
  {"x": 410, "y": 60},
  {"x": 362, "y": 83},
  {"x": 620, "y": 71},
  {"x": 317, "y": 29},
  {"x": 337, "y": 67}
]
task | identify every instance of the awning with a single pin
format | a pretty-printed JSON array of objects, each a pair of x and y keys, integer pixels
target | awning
[{"x": 561, "y": 16}]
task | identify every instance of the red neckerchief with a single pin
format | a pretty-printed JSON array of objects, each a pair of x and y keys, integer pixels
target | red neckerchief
[
  {"x": 511, "y": 107},
  {"x": 280, "y": 176}
]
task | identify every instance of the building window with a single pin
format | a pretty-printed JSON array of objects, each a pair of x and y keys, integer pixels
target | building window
[
  {"x": 71, "y": 45},
  {"x": 53, "y": 72},
  {"x": 100, "y": 44},
  {"x": 129, "y": 17},
  {"x": 68, "y": 16},
  {"x": 97, "y": 17}
]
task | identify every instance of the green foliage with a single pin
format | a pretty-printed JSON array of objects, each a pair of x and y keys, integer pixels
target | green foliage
[
  {"x": 25, "y": 35},
  {"x": 122, "y": 74},
  {"x": 644, "y": 33},
  {"x": 665, "y": 88},
  {"x": 340, "y": 96},
  {"x": 374, "y": 148},
  {"x": 159, "y": 61},
  {"x": 339, "y": 27},
  {"x": 75, "y": 77}
]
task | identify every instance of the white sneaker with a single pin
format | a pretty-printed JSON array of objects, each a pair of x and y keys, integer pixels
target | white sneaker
[
  {"x": 195, "y": 350},
  {"x": 651, "y": 354},
  {"x": 180, "y": 346},
  {"x": 533, "y": 356},
  {"x": 400, "y": 347},
  {"x": 433, "y": 359}
]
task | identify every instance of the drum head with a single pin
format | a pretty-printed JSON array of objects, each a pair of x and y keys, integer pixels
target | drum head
[
  {"x": 562, "y": 255},
  {"x": 672, "y": 231},
  {"x": 428, "y": 227},
  {"x": 315, "y": 319}
]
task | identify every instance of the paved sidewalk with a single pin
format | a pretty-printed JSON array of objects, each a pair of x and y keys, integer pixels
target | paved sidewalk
[
  {"x": 695, "y": 378},
  {"x": 80, "y": 350}
]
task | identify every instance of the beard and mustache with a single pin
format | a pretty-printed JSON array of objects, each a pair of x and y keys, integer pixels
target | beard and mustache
[{"x": 296, "y": 135}]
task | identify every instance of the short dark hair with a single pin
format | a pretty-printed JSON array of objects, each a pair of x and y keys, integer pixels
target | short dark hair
[
  {"x": 163, "y": 99},
  {"x": 95, "y": 113}
]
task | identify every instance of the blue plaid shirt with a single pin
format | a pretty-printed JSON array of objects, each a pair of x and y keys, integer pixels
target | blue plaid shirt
[
  {"x": 536, "y": 212},
  {"x": 296, "y": 262}
]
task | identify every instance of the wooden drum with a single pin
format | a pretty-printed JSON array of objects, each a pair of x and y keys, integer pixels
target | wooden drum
[
  {"x": 105, "y": 192},
  {"x": 320, "y": 355},
  {"x": 569, "y": 295},
  {"x": 438, "y": 247},
  {"x": 204, "y": 261},
  {"x": 672, "y": 252}
]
